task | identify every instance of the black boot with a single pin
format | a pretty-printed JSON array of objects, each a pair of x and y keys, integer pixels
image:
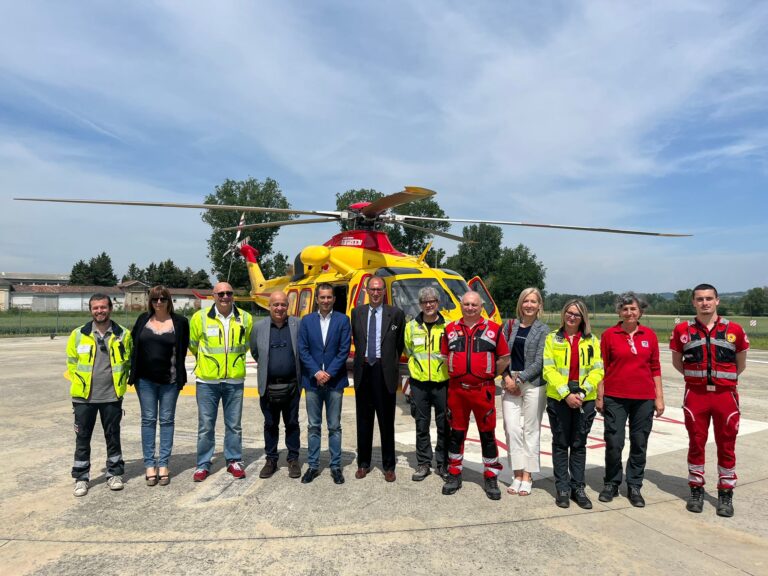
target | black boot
[
  {"x": 452, "y": 485},
  {"x": 725, "y": 503},
  {"x": 696, "y": 500},
  {"x": 492, "y": 488}
]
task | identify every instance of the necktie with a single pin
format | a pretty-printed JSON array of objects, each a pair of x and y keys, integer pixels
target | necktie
[{"x": 372, "y": 336}]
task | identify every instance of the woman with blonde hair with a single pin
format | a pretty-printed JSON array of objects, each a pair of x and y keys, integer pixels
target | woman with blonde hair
[
  {"x": 573, "y": 370},
  {"x": 524, "y": 399},
  {"x": 161, "y": 339}
]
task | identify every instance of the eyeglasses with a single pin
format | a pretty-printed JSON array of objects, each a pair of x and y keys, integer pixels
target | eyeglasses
[
  {"x": 632, "y": 345},
  {"x": 573, "y": 315},
  {"x": 224, "y": 293},
  {"x": 426, "y": 302},
  {"x": 162, "y": 299}
]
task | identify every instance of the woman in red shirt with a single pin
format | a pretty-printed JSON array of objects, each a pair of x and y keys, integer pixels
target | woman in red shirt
[{"x": 631, "y": 390}]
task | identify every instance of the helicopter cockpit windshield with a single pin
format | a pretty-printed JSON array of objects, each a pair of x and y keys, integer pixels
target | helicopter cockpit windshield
[{"x": 405, "y": 294}]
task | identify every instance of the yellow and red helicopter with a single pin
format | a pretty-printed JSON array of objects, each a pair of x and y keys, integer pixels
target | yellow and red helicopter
[{"x": 349, "y": 258}]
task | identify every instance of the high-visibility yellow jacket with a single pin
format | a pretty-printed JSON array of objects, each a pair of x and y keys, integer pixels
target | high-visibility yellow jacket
[
  {"x": 218, "y": 359},
  {"x": 81, "y": 352},
  {"x": 557, "y": 365},
  {"x": 422, "y": 346}
]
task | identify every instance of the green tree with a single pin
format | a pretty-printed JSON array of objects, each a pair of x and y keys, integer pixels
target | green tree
[
  {"x": 479, "y": 257},
  {"x": 755, "y": 302},
  {"x": 134, "y": 273},
  {"x": 248, "y": 192},
  {"x": 684, "y": 302},
  {"x": 197, "y": 279},
  {"x": 102, "y": 272},
  {"x": 171, "y": 275},
  {"x": 80, "y": 274},
  {"x": 516, "y": 269}
]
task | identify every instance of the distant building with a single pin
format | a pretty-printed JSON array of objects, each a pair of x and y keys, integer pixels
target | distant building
[
  {"x": 131, "y": 295},
  {"x": 34, "y": 279}
]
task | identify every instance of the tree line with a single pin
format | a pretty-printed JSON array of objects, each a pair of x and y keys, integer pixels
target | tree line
[{"x": 98, "y": 271}]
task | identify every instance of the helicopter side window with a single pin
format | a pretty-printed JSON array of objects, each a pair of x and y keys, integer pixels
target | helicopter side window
[
  {"x": 305, "y": 302},
  {"x": 340, "y": 293},
  {"x": 292, "y": 302},
  {"x": 458, "y": 287}
]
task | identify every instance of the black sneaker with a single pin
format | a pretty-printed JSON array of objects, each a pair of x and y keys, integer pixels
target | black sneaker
[
  {"x": 580, "y": 497},
  {"x": 696, "y": 500},
  {"x": 610, "y": 491},
  {"x": 452, "y": 485},
  {"x": 562, "y": 500},
  {"x": 492, "y": 488},
  {"x": 635, "y": 498},
  {"x": 725, "y": 503},
  {"x": 422, "y": 471}
]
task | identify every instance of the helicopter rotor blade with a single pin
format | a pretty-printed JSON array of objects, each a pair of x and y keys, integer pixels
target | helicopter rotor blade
[
  {"x": 410, "y": 194},
  {"x": 434, "y": 232},
  {"x": 280, "y": 223},
  {"x": 555, "y": 226},
  {"x": 178, "y": 205}
]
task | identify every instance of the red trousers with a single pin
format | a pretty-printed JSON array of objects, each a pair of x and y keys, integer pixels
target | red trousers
[
  {"x": 481, "y": 402},
  {"x": 721, "y": 406}
]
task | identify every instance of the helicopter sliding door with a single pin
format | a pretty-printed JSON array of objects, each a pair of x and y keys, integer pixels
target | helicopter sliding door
[{"x": 340, "y": 293}]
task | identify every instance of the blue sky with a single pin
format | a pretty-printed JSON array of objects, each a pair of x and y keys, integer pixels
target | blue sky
[{"x": 651, "y": 116}]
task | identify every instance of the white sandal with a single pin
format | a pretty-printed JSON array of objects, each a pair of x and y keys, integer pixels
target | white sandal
[
  {"x": 525, "y": 488},
  {"x": 514, "y": 488}
]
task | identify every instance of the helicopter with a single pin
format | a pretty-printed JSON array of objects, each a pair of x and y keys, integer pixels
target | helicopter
[{"x": 349, "y": 258}]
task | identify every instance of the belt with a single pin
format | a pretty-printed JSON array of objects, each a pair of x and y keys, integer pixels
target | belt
[
  {"x": 282, "y": 381},
  {"x": 474, "y": 385}
]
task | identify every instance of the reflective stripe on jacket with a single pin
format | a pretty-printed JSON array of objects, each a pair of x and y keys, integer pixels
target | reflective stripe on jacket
[
  {"x": 218, "y": 359},
  {"x": 81, "y": 353},
  {"x": 557, "y": 365},
  {"x": 709, "y": 357},
  {"x": 422, "y": 346}
]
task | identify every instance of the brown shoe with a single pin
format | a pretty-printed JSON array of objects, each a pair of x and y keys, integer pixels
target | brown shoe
[
  {"x": 269, "y": 468},
  {"x": 362, "y": 473},
  {"x": 390, "y": 476},
  {"x": 294, "y": 469}
]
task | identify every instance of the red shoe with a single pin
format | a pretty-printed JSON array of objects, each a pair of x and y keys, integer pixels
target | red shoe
[
  {"x": 200, "y": 475},
  {"x": 236, "y": 469}
]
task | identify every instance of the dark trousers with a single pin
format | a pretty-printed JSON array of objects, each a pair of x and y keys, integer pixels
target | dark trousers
[
  {"x": 424, "y": 397},
  {"x": 111, "y": 413},
  {"x": 373, "y": 399},
  {"x": 570, "y": 427},
  {"x": 616, "y": 412},
  {"x": 290, "y": 413}
]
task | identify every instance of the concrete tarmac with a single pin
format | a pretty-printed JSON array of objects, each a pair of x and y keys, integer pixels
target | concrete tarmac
[{"x": 280, "y": 526}]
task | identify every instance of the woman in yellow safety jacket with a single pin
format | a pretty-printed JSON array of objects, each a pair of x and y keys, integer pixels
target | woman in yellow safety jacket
[
  {"x": 429, "y": 382},
  {"x": 573, "y": 368}
]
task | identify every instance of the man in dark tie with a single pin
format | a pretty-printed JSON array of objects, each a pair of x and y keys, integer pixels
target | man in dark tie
[{"x": 377, "y": 332}]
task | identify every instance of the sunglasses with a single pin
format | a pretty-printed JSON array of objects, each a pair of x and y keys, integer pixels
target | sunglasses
[
  {"x": 573, "y": 315},
  {"x": 162, "y": 299},
  {"x": 224, "y": 293}
]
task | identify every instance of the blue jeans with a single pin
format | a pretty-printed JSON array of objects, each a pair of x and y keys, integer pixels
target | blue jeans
[
  {"x": 208, "y": 397},
  {"x": 157, "y": 400},
  {"x": 332, "y": 399}
]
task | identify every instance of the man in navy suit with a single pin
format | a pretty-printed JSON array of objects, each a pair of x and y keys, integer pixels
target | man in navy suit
[
  {"x": 377, "y": 331},
  {"x": 324, "y": 343}
]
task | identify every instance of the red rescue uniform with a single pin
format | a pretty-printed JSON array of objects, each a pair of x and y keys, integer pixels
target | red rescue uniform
[
  {"x": 710, "y": 373},
  {"x": 471, "y": 355}
]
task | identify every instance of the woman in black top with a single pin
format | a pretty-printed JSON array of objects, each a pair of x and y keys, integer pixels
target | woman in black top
[{"x": 160, "y": 342}]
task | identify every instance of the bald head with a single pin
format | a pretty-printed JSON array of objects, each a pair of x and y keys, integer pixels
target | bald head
[
  {"x": 223, "y": 298},
  {"x": 278, "y": 307},
  {"x": 471, "y": 308}
]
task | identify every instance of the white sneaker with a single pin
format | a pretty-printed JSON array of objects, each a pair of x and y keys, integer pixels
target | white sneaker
[
  {"x": 115, "y": 483},
  {"x": 81, "y": 488}
]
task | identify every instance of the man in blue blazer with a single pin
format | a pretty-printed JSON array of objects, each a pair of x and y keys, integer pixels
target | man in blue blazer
[{"x": 324, "y": 343}]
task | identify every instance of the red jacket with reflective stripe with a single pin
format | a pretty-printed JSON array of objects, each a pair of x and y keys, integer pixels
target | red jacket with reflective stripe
[
  {"x": 709, "y": 356},
  {"x": 472, "y": 352}
]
